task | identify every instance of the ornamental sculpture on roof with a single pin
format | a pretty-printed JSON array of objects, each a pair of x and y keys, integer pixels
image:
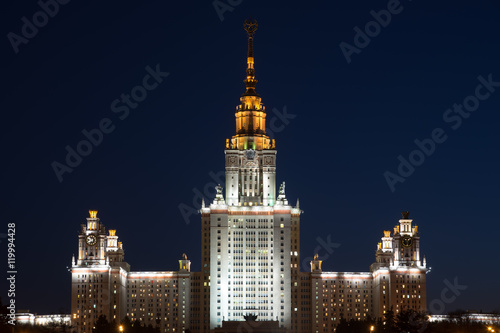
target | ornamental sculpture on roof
[{"x": 282, "y": 189}]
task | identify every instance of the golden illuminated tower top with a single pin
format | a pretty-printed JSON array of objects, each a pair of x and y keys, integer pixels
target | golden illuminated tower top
[{"x": 250, "y": 114}]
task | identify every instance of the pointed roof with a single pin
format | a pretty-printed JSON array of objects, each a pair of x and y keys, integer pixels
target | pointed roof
[{"x": 250, "y": 81}]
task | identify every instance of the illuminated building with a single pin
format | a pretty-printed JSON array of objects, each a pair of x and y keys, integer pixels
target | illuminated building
[
  {"x": 102, "y": 284},
  {"x": 99, "y": 276},
  {"x": 250, "y": 260},
  {"x": 247, "y": 251},
  {"x": 24, "y": 317},
  {"x": 397, "y": 281}
]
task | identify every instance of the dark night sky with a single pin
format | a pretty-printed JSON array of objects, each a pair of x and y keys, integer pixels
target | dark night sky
[{"x": 352, "y": 121}]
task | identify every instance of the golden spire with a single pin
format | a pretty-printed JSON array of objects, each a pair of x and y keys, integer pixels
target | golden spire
[
  {"x": 251, "y": 113},
  {"x": 250, "y": 81}
]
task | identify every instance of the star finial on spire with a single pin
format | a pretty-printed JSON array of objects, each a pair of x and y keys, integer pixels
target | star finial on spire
[{"x": 250, "y": 26}]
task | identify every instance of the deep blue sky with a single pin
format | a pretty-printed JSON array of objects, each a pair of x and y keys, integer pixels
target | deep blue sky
[{"x": 352, "y": 122}]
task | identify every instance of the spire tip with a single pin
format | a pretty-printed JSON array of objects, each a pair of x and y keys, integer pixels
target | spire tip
[{"x": 250, "y": 26}]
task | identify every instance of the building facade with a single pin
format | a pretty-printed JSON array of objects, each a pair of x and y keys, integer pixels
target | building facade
[
  {"x": 102, "y": 284},
  {"x": 250, "y": 260},
  {"x": 396, "y": 281}
]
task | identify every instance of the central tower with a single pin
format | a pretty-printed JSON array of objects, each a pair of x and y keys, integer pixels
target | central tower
[
  {"x": 250, "y": 154},
  {"x": 250, "y": 236}
]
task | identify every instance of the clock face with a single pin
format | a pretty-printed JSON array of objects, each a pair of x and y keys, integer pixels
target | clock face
[
  {"x": 91, "y": 240},
  {"x": 407, "y": 241}
]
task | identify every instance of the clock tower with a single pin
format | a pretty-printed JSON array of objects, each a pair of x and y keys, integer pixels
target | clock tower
[
  {"x": 406, "y": 243},
  {"x": 98, "y": 276},
  {"x": 92, "y": 241},
  {"x": 399, "y": 276}
]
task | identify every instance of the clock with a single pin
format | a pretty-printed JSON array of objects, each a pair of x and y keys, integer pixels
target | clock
[
  {"x": 407, "y": 241},
  {"x": 91, "y": 240}
]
